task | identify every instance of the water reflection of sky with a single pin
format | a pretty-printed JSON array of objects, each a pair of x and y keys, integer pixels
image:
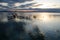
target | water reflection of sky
[{"x": 48, "y": 23}]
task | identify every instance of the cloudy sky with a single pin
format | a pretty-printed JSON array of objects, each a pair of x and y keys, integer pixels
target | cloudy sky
[{"x": 25, "y": 4}]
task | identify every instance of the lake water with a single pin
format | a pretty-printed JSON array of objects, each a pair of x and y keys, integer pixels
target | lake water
[{"x": 48, "y": 23}]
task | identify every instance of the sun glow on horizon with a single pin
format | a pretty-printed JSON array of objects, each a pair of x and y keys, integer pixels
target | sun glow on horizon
[
  {"x": 47, "y": 4},
  {"x": 43, "y": 6},
  {"x": 44, "y": 17}
]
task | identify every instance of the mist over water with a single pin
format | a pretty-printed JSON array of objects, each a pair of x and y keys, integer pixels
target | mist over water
[{"x": 48, "y": 23}]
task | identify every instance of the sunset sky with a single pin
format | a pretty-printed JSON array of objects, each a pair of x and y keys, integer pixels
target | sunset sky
[{"x": 25, "y": 4}]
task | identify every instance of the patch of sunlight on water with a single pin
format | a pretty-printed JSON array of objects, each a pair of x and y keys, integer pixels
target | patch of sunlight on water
[
  {"x": 4, "y": 20},
  {"x": 17, "y": 19}
]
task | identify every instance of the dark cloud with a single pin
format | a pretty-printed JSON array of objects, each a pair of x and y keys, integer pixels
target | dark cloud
[
  {"x": 4, "y": 7},
  {"x": 11, "y": 3},
  {"x": 15, "y": 0},
  {"x": 12, "y": 6},
  {"x": 27, "y": 5}
]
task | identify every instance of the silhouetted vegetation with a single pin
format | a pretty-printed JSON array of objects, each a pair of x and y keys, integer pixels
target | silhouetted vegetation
[
  {"x": 37, "y": 35},
  {"x": 34, "y": 16}
]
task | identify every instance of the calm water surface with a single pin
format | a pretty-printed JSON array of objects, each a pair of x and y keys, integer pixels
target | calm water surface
[{"x": 48, "y": 23}]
